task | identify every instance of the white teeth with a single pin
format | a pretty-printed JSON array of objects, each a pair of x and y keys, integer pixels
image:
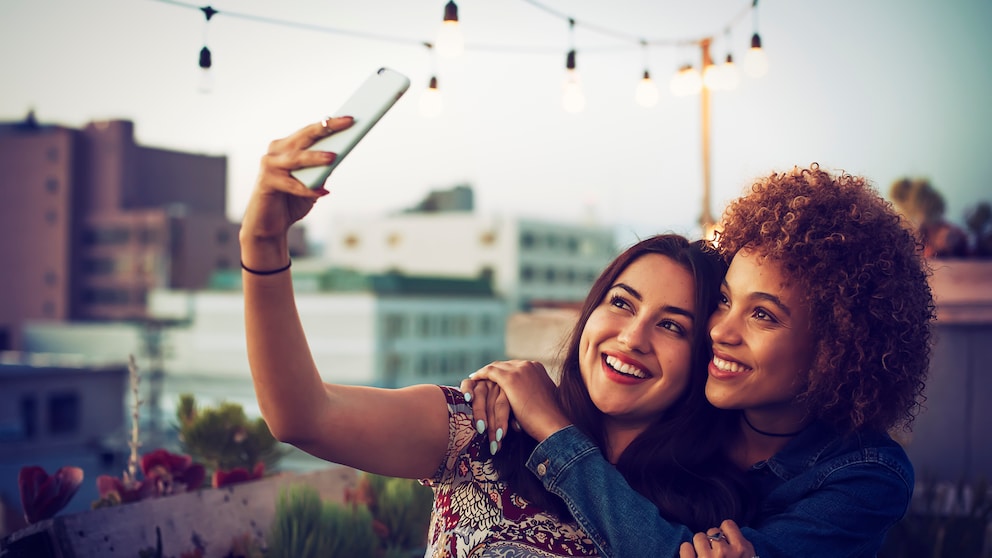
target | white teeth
[
  {"x": 729, "y": 366},
  {"x": 625, "y": 368}
]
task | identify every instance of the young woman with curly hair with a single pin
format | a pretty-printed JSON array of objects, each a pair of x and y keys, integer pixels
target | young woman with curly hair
[{"x": 821, "y": 346}]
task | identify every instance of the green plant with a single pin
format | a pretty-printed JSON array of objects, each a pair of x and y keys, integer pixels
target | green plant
[
  {"x": 304, "y": 526},
  {"x": 225, "y": 440},
  {"x": 402, "y": 511}
]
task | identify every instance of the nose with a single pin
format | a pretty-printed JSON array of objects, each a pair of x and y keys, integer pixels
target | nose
[
  {"x": 635, "y": 335},
  {"x": 724, "y": 328}
]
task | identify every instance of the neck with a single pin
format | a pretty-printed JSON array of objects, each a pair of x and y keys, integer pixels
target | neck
[
  {"x": 762, "y": 437},
  {"x": 618, "y": 437}
]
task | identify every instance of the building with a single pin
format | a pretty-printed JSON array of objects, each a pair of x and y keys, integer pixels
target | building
[
  {"x": 57, "y": 410},
  {"x": 386, "y": 330},
  {"x": 100, "y": 221},
  {"x": 531, "y": 263}
]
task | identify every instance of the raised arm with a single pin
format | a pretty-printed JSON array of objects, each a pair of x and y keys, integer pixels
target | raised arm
[{"x": 363, "y": 427}]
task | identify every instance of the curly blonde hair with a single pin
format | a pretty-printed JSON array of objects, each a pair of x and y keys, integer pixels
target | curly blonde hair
[{"x": 864, "y": 277}]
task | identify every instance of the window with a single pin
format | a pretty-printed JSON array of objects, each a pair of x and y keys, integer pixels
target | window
[
  {"x": 29, "y": 417},
  {"x": 527, "y": 240},
  {"x": 98, "y": 266},
  {"x": 393, "y": 326},
  {"x": 52, "y": 185},
  {"x": 223, "y": 235},
  {"x": 527, "y": 274},
  {"x": 63, "y": 413},
  {"x": 106, "y": 296},
  {"x": 424, "y": 326},
  {"x": 112, "y": 236}
]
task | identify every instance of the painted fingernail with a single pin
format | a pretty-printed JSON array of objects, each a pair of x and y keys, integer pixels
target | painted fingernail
[
  {"x": 468, "y": 396},
  {"x": 493, "y": 447},
  {"x": 481, "y": 426},
  {"x": 499, "y": 434}
]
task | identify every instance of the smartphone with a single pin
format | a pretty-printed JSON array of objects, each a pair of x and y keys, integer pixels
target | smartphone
[{"x": 367, "y": 105}]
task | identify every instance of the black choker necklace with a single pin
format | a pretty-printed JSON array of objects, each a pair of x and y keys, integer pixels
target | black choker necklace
[{"x": 772, "y": 434}]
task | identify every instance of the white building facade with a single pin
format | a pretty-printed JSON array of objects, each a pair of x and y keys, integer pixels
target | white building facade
[
  {"x": 380, "y": 330},
  {"x": 529, "y": 262}
]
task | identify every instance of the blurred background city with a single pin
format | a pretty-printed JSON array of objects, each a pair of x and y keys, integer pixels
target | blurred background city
[{"x": 470, "y": 222}]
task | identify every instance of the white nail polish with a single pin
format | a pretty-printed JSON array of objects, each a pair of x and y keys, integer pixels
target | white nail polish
[
  {"x": 468, "y": 396},
  {"x": 481, "y": 426},
  {"x": 499, "y": 434},
  {"x": 493, "y": 447}
]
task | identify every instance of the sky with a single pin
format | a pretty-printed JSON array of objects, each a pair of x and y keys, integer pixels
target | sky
[{"x": 886, "y": 89}]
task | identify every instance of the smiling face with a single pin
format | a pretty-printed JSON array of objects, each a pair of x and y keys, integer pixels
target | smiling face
[
  {"x": 762, "y": 342},
  {"x": 635, "y": 350}
]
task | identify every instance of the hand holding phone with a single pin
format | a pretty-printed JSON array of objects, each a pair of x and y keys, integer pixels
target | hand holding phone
[{"x": 367, "y": 105}]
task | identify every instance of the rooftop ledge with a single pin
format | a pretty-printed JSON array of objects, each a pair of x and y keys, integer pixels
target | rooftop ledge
[{"x": 962, "y": 290}]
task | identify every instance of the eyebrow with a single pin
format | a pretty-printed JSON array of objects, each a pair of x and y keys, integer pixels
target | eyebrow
[
  {"x": 761, "y": 295},
  {"x": 668, "y": 308}
]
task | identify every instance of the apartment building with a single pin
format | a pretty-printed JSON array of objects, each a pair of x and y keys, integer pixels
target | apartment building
[
  {"x": 531, "y": 263},
  {"x": 92, "y": 222}
]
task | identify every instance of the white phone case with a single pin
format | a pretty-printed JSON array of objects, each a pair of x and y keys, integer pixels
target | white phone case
[{"x": 367, "y": 105}]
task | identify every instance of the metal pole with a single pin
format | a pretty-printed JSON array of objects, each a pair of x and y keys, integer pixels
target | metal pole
[{"x": 706, "y": 217}]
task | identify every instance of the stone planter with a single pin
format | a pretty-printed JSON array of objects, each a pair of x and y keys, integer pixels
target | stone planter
[{"x": 209, "y": 519}]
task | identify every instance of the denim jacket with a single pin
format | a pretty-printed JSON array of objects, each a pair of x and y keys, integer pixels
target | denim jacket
[{"x": 822, "y": 495}]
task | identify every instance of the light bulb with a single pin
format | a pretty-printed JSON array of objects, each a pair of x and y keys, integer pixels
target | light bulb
[
  {"x": 450, "y": 42},
  {"x": 756, "y": 61},
  {"x": 430, "y": 100},
  {"x": 691, "y": 82},
  {"x": 712, "y": 77},
  {"x": 206, "y": 80},
  {"x": 647, "y": 92},
  {"x": 729, "y": 74},
  {"x": 572, "y": 98}
]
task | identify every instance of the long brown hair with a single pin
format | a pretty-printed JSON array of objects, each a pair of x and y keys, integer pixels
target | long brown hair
[{"x": 678, "y": 462}]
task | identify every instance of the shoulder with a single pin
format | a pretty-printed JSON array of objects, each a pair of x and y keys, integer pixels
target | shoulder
[
  {"x": 874, "y": 456},
  {"x": 463, "y": 439}
]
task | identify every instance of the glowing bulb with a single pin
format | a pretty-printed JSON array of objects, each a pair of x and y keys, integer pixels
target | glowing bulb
[
  {"x": 572, "y": 98},
  {"x": 450, "y": 42},
  {"x": 430, "y": 101},
  {"x": 756, "y": 61},
  {"x": 647, "y": 92},
  {"x": 712, "y": 77},
  {"x": 729, "y": 74}
]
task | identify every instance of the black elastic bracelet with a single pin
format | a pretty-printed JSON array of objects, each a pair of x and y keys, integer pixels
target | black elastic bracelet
[{"x": 266, "y": 272}]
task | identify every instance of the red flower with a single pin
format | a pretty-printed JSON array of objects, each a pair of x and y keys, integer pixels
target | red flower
[
  {"x": 42, "y": 496},
  {"x": 172, "y": 473},
  {"x": 238, "y": 474}
]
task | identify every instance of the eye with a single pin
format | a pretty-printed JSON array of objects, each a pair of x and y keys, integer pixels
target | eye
[
  {"x": 673, "y": 326},
  {"x": 722, "y": 300},
  {"x": 764, "y": 315},
  {"x": 619, "y": 302}
]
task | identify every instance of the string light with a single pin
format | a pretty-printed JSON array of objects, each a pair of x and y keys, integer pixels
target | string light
[
  {"x": 572, "y": 98},
  {"x": 206, "y": 81},
  {"x": 430, "y": 100},
  {"x": 450, "y": 43},
  {"x": 755, "y": 61},
  {"x": 686, "y": 81},
  {"x": 646, "y": 93}
]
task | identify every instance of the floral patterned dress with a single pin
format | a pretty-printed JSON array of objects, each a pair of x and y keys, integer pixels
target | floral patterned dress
[{"x": 477, "y": 516}]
